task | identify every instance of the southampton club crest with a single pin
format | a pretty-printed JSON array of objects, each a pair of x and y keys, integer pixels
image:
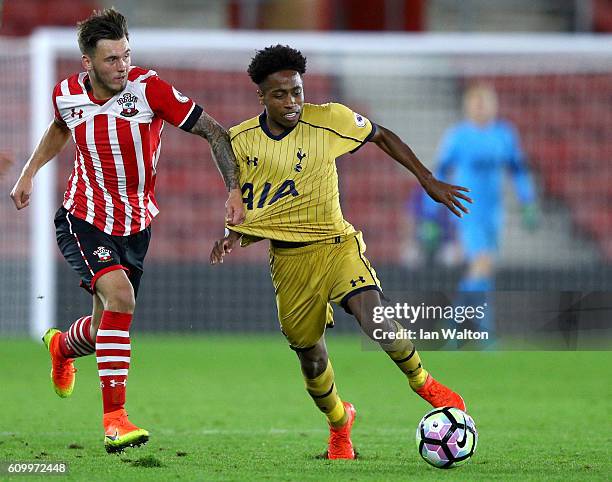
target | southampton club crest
[
  {"x": 128, "y": 102},
  {"x": 103, "y": 254}
]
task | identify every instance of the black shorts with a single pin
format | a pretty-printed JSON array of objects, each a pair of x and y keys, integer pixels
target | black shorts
[{"x": 92, "y": 253}]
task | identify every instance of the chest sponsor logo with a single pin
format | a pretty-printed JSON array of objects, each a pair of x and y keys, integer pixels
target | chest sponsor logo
[{"x": 264, "y": 198}]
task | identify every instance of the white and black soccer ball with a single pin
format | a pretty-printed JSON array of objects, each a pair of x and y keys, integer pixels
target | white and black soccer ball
[{"x": 446, "y": 437}]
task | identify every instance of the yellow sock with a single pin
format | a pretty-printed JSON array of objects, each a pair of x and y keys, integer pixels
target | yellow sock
[
  {"x": 406, "y": 357},
  {"x": 323, "y": 391}
]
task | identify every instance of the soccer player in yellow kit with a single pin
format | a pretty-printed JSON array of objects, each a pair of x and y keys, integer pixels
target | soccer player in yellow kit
[{"x": 289, "y": 181}]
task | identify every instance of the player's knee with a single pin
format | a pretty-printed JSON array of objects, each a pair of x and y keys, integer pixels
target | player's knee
[
  {"x": 121, "y": 300},
  {"x": 116, "y": 292},
  {"x": 313, "y": 368},
  {"x": 313, "y": 362}
]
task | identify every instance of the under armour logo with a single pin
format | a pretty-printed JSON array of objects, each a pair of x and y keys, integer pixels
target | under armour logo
[
  {"x": 74, "y": 113},
  {"x": 300, "y": 155},
  {"x": 361, "y": 279},
  {"x": 114, "y": 383},
  {"x": 253, "y": 161}
]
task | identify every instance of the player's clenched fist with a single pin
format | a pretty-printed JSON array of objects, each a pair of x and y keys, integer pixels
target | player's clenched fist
[
  {"x": 21, "y": 192},
  {"x": 234, "y": 208}
]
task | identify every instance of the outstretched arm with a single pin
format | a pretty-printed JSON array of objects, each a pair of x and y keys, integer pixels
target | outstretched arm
[
  {"x": 224, "y": 158},
  {"x": 51, "y": 144},
  {"x": 447, "y": 194}
]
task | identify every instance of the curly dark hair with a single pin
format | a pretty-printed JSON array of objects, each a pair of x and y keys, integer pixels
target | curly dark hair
[
  {"x": 107, "y": 24},
  {"x": 274, "y": 59}
]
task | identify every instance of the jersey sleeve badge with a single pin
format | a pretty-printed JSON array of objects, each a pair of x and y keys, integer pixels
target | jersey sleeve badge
[
  {"x": 183, "y": 99},
  {"x": 359, "y": 120}
]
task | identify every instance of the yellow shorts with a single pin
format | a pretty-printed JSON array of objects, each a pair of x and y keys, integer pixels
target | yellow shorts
[{"x": 307, "y": 279}]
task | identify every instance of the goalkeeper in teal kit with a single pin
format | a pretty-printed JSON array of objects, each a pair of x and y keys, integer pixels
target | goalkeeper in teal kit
[{"x": 476, "y": 152}]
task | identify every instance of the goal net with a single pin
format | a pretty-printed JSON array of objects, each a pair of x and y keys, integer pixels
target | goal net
[{"x": 15, "y": 265}]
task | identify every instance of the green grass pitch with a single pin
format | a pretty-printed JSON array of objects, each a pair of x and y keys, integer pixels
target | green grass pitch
[{"x": 234, "y": 408}]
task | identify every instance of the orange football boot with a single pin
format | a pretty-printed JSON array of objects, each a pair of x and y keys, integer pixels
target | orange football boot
[
  {"x": 120, "y": 433},
  {"x": 439, "y": 395},
  {"x": 339, "y": 445},
  {"x": 62, "y": 368}
]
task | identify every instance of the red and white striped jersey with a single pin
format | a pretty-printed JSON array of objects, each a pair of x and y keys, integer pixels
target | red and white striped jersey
[{"x": 117, "y": 147}]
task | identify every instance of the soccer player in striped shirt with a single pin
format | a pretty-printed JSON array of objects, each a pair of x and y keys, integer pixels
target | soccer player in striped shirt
[
  {"x": 286, "y": 158},
  {"x": 115, "y": 114}
]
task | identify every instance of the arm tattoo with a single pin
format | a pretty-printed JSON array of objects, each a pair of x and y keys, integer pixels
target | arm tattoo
[{"x": 219, "y": 141}]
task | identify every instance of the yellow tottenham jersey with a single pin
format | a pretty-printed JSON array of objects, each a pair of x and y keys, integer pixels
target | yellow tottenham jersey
[{"x": 289, "y": 182}]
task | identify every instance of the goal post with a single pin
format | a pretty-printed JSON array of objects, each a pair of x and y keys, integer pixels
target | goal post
[{"x": 44, "y": 198}]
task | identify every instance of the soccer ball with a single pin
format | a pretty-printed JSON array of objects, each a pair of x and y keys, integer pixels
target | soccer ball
[{"x": 446, "y": 437}]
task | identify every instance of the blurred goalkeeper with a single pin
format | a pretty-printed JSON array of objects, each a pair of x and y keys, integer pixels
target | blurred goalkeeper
[
  {"x": 114, "y": 112},
  {"x": 478, "y": 150},
  {"x": 286, "y": 158}
]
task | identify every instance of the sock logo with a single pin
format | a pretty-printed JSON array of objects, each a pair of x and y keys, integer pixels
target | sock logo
[{"x": 115, "y": 383}]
